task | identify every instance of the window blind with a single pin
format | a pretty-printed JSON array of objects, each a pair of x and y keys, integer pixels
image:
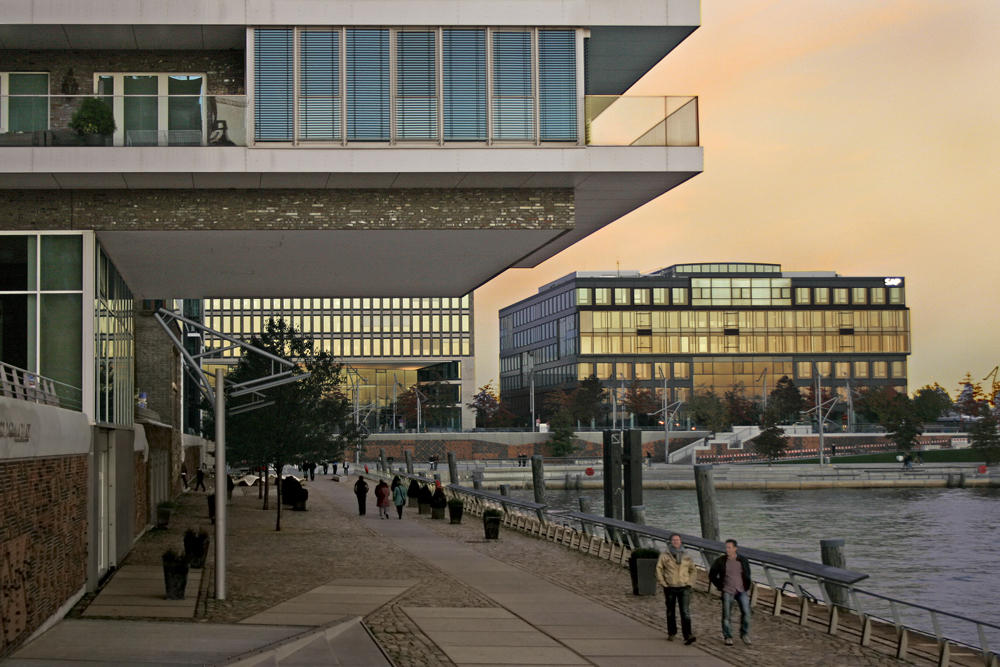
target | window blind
[
  {"x": 273, "y": 84},
  {"x": 464, "y": 84},
  {"x": 557, "y": 85},
  {"x": 319, "y": 84},
  {"x": 513, "y": 108},
  {"x": 416, "y": 87},
  {"x": 368, "y": 85}
]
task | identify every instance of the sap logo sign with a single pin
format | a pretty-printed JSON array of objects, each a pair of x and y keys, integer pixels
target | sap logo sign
[{"x": 892, "y": 282}]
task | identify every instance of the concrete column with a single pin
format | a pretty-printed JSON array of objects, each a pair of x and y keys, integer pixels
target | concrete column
[
  {"x": 220, "y": 485},
  {"x": 505, "y": 489},
  {"x": 705, "y": 486},
  {"x": 832, "y": 553},
  {"x": 538, "y": 478},
  {"x": 382, "y": 463},
  {"x": 613, "y": 508},
  {"x": 409, "y": 461},
  {"x": 632, "y": 467},
  {"x": 452, "y": 468}
]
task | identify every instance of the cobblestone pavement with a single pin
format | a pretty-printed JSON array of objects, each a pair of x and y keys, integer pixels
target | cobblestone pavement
[
  {"x": 266, "y": 567},
  {"x": 777, "y": 641}
]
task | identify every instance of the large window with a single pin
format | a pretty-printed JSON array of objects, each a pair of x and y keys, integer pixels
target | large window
[
  {"x": 415, "y": 85},
  {"x": 24, "y": 106},
  {"x": 163, "y": 109}
]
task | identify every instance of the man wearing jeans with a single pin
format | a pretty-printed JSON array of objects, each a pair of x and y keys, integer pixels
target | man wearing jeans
[
  {"x": 677, "y": 574},
  {"x": 731, "y": 575}
]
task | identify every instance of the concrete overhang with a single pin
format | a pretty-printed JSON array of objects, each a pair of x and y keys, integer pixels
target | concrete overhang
[{"x": 607, "y": 183}]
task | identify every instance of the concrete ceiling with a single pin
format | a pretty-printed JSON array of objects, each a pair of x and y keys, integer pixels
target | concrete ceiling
[{"x": 123, "y": 37}]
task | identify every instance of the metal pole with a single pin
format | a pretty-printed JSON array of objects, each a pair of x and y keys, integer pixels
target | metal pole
[
  {"x": 666, "y": 420},
  {"x": 221, "y": 489},
  {"x": 819, "y": 410},
  {"x": 531, "y": 374}
]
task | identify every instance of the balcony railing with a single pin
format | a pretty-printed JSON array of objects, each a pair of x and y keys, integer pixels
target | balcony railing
[
  {"x": 618, "y": 120},
  {"x": 140, "y": 120},
  {"x": 24, "y": 385}
]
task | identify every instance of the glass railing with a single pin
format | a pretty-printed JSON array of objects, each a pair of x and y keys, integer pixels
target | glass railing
[
  {"x": 123, "y": 120},
  {"x": 617, "y": 120}
]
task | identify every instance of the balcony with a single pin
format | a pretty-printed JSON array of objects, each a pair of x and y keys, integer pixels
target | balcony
[
  {"x": 139, "y": 120},
  {"x": 617, "y": 120}
]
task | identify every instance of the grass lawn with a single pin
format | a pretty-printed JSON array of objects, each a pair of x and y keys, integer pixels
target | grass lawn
[{"x": 931, "y": 456}]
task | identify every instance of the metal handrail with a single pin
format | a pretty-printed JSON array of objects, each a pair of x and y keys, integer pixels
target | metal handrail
[{"x": 22, "y": 384}]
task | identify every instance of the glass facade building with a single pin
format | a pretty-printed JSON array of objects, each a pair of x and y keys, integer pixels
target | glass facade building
[
  {"x": 698, "y": 327},
  {"x": 390, "y": 344}
]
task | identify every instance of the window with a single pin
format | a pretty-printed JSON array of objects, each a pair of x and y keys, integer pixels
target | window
[
  {"x": 899, "y": 369},
  {"x": 602, "y": 296},
  {"x": 842, "y": 369},
  {"x": 622, "y": 296},
  {"x": 643, "y": 372},
  {"x": 682, "y": 371},
  {"x": 859, "y": 295},
  {"x": 604, "y": 371},
  {"x": 880, "y": 369},
  {"x": 896, "y": 296},
  {"x": 823, "y": 368},
  {"x": 659, "y": 296},
  {"x": 860, "y": 369},
  {"x": 679, "y": 295},
  {"x": 840, "y": 296},
  {"x": 159, "y": 109},
  {"x": 802, "y": 296},
  {"x": 803, "y": 370},
  {"x": 432, "y": 84},
  {"x": 878, "y": 296},
  {"x": 641, "y": 297},
  {"x": 821, "y": 296},
  {"x": 24, "y": 106}
]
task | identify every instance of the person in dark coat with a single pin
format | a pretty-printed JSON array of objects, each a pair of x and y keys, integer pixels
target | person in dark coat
[
  {"x": 730, "y": 573},
  {"x": 199, "y": 479},
  {"x": 361, "y": 491}
]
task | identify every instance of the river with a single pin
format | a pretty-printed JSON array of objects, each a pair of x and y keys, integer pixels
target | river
[{"x": 934, "y": 547}]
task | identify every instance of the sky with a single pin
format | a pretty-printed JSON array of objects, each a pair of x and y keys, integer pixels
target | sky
[{"x": 856, "y": 136}]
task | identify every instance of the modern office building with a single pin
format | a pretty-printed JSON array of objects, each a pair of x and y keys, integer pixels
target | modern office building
[
  {"x": 240, "y": 148},
  {"x": 698, "y": 327},
  {"x": 388, "y": 345}
]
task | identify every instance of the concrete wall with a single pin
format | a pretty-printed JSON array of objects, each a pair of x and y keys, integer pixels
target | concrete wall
[{"x": 154, "y": 210}]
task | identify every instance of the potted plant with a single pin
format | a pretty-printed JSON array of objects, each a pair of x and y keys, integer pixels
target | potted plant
[
  {"x": 642, "y": 570},
  {"x": 175, "y": 572},
  {"x": 491, "y": 523},
  {"x": 456, "y": 507},
  {"x": 412, "y": 493},
  {"x": 439, "y": 502},
  {"x": 163, "y": 512},
  {"x": 94, "y": 121},
  {"x": 424, "y": 500},
  {"x": 196, "y": 547}
]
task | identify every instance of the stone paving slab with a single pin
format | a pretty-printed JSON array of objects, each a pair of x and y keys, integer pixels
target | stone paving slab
[
  {"x": 139, "y": 591},
  {"x": 512, "y": 655},
  {"x": 281, "y": 618},
  {"x": 488, "y": 638},
  {"x": 456, "y": 612},
  {"x": 329, "y": 602},
  {"x": 563, "y": 632}
]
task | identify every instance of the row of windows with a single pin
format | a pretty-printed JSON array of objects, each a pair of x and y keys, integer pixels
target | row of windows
[
  {"x": 624, "y": 296},
  {"x": 337, "y": 324},
  {"x": 842, "y": 369},
  {"x": 540, "y": 355},
  {"x": 842, "y": 296},
  {"x": 386, "y": 347},
  {"x": 536, "y": 311},
  {"x": 742, "y": 344},
  {"x": 547, "y": 377},
  {"x": 741, "y": 291},
  {"x": 660, "y": 370},
  {"x": 533, "y": 335},
  {"x": 395, "y": 303},
  {"x": 626, "y": 321},
  {"x": 742, "y": 372},
  {"x": 438, "y": 84}
]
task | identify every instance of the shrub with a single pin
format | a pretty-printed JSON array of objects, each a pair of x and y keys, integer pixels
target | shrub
[
  {"x": 492, "y": 512},
  {"x": 424, "y": 497},
  {"x": 456, "y": 502},
  {"x": 645, "y": 553},
  {"x": 414, "y": 489},
  {"x": 93, "y": 117},
  {"x": 174, "y": 561},
  {"x": 439, "y": 500}
]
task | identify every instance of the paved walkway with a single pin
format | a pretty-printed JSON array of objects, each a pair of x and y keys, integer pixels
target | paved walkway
[{"x": 534, "y": 622}]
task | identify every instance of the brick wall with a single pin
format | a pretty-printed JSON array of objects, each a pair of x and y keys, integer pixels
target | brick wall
[
  {"x": 151, "y": 210},
  {"x": 223, "y": 70},
  {"x": 43, "y": 542},
  {"x": 155, "y": 366},
  {"x": 140, "y": 493}
]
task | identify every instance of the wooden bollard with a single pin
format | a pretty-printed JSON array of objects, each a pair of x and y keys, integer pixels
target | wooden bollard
[
  {"x": 452, "y": 468},
  {"x": 705, "y": 486},
  {"x": 832, "y": 553},
  {"x": 538, "y": 478},
  {"x": 578, "y": 482},
  {"x": 409, "y": 461},
  {"x": 505, "y": 489},
  {"x": 585, "y": 508},
  {"x": 569, "y": 482},
  {"x": 381, "y": 458}
]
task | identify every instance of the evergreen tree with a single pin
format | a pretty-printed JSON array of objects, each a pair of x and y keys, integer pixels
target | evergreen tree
[
  {"x": 772, "y": 442},
  {"x": 786, "y": 400},
  {"x": 985, "y": 436}
]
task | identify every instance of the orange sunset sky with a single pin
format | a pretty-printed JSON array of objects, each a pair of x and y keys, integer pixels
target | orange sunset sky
[{"x": 856, "y": 136}]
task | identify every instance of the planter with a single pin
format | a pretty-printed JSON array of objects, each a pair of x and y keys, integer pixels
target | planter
[
  {"x": 411, "y": 502},
  {"x": 437, "y": 512},
  {"x": 95, "y": 140},
  {"x": 196, "y": 549},
  {"x": 491, "y": 526},
  {"x": 424, "y": 508},
  {"x": 455, "y": 513},
  {"x": 642, "y": 571},
  {"x": 163, "y": 516},
  {"x": 175, "y": 571}
]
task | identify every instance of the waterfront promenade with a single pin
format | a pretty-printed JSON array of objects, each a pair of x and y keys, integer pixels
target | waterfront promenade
[{"x": 432, "y": 594}]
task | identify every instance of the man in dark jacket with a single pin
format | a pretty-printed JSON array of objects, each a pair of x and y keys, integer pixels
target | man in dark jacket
[{"x": 731, "y": 575}]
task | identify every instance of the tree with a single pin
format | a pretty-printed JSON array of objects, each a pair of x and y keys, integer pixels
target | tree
[
  {"x": 437, "y": 400},
  {"x": 741, "y": 410},
  {"x": 303, "y": 421},
  {"x": 707, "y": 408},
  {"x": 985, "y": 435},
  {"x": 588, "y": 400},
  {"x": 640, "y": 402},
  {"x": 561, "y": 442},
  {"x": 930, "y": 402},
  {"x": 970, "y": 397},
  {"x": 786, "y": 400},
  {"x": 877, "y": 404},
  {"x": 771, "y": 443},
  {"x": 486, "y": 404}
]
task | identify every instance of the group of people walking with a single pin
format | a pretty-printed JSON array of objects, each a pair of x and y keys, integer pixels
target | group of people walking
[
  {"x": 385, "y": 496},
  {"x": 730, "y": 574}
]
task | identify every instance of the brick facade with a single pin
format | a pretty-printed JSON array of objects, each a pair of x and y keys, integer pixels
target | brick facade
[
  {"x": 140, "y": 484},
  {"x": 43, "y": 542},
  {"x": 157, "y": 210}
]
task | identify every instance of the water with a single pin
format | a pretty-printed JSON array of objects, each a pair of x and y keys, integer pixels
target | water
[{"x": 934, "y": 547}]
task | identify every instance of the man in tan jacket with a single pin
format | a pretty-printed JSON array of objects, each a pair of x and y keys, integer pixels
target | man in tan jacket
[{"x": 676, "y": 573}]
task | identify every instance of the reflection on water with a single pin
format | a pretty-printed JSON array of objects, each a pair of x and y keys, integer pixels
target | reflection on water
[{"x": 934, "y": 547}]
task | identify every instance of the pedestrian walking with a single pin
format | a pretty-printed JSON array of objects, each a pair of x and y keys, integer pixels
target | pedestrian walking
[
  {"x": 199, "y": 480},
  {"x": 335, "y": 468},
  {"x": 677, "y": 574},
  {"x": 398, "y": 495},
  {"x": 383, "y": 498},
  {"x": 361, "y": 491},
  {"x": 730, "y": 573}
]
